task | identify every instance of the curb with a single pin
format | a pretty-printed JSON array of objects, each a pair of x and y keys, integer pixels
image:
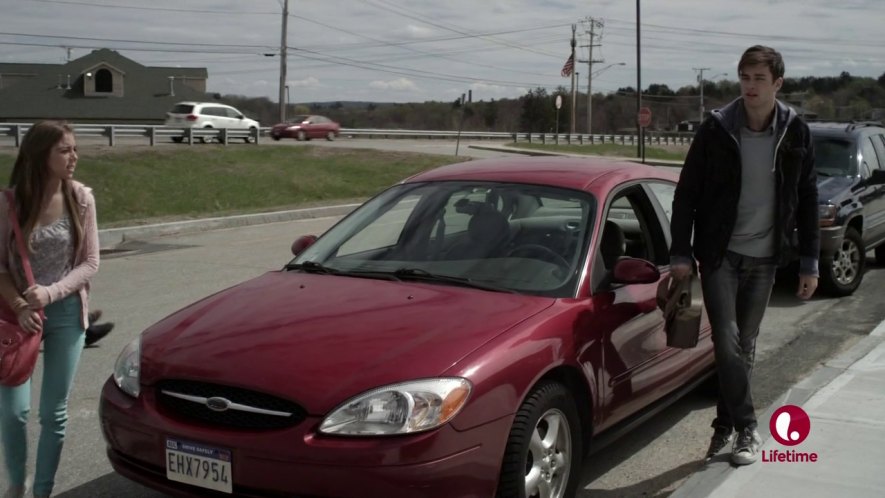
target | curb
[
  {"x": 706, "y": 481},
  {"x": 112, "y": 237}
]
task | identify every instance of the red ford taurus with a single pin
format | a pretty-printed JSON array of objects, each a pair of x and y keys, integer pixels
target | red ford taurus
[{"x": 471, "y": 331}]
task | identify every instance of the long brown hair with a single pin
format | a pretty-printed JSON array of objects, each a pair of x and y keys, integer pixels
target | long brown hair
[{"x": 30, "y": 176}]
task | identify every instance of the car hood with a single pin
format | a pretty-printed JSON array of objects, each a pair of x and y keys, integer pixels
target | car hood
[
  {"x": 320, "y": 339},
  {"x": 833, "y": 188}
]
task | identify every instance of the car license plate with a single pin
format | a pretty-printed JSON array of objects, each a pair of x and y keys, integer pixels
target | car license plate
[{"x": 199, "y": 465}]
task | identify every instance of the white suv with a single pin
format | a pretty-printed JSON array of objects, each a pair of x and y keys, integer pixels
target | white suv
[{"x": 209, "y": 115}]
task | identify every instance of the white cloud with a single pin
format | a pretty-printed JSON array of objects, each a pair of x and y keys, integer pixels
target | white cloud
[
  {"x": 400, "y": 85},
  {"x": 306, "y": 82}
]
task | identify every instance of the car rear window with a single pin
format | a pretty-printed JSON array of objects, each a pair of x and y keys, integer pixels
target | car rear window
[
  {"x": 182, "y": 109},
  {"x": 834, "y": 157}
]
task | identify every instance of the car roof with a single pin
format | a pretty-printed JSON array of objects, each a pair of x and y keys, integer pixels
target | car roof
[
  {"x": 577, "y": 173},
  {"x": 834, "y": 129},
  {"x": 203, "y": 103}
]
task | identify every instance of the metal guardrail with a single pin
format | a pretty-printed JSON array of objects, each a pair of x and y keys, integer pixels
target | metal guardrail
[{"x": 224, "y": 135}]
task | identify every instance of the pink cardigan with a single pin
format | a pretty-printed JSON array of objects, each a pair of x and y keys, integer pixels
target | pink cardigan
[{"x": 85, "y": 261}]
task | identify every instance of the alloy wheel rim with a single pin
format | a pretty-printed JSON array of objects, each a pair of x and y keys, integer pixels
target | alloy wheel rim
[
  {"x": 549, "y": 457},
  {"x": 846, "y": 263}
]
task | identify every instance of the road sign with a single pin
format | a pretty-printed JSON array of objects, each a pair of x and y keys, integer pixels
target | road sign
[
  {"x": 644, "y": 116},
  {"x": 558, "y": 101}
]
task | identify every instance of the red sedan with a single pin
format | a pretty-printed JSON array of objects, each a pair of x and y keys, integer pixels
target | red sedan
[
  {"x": 471, "y": 331},
  {"x": 306, "y": 127}
]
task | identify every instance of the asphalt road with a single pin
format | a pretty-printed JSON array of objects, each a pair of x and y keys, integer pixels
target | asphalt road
[{"x": 155, "y": 277}]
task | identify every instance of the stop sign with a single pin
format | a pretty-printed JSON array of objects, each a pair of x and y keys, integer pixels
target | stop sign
[{"x": 644, "y": 116}]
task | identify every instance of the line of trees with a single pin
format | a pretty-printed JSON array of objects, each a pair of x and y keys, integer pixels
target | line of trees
[{"x": 840, "y": 98}]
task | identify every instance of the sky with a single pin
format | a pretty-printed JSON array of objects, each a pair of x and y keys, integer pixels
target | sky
[{"x": 417, "y": 50}]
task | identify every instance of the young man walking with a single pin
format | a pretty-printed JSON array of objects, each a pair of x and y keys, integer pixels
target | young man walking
[{"x": 747, "y": 184}]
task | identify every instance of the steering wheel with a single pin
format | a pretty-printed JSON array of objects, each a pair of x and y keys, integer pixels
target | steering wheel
[{"x": 538, "y": 251}]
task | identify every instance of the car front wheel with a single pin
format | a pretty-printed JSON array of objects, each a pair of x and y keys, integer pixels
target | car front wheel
[
  {"x": 330, "y": 135},
  {"x": 543, "y": 454},
  {"x": 841, "y": 275},
  {"x": 301, "y": 136}
]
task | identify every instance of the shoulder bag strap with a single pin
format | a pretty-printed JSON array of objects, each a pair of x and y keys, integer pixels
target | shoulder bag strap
[{"x": 20, "y": 241}]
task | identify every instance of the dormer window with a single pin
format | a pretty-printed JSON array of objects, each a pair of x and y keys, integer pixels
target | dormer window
[{"x": 104, "y": 81}]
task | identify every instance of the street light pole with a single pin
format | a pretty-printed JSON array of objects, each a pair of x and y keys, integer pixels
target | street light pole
[{"x": 283, "y": 61}]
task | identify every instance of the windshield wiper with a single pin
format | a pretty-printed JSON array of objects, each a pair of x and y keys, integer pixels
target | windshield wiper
[
  {"x": 314, "y": 267},
  {"x": 417, "y": 274}
]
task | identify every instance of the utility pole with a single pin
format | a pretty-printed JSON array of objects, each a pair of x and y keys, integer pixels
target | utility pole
[
  {"x": 700, "y": 71},
  {"x": 574, "y": 61},
  {"x": 590, "y": 61},
  {"x": 640, "y": 131},
  {"x": 283, "y": 62}
]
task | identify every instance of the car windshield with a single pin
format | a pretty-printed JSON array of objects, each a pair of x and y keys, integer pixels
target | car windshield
[
  {"x": 298, "y": 119},
  {"x": 525, "y": 238},
  {"x": 834, "y": 157}
]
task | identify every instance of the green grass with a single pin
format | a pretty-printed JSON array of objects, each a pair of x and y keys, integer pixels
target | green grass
[
  {"x": 144, "y": 184},
  {"x": 673, "y": 153}
]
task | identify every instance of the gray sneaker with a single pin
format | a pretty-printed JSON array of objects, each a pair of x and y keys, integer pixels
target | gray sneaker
[
  {"x": 746, "y": 447},
  {"x": 721, "y": 438}
]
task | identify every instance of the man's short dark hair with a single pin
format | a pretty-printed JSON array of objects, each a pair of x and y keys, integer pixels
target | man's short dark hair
[{"x": 759, "y": 54}]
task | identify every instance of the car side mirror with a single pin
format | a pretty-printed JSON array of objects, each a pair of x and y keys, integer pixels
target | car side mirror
[
  {"x": 302, "y": 243},
  {"x": 241, "y": 116},
  {"x": 877, "y": 177},
  {"x": 635, "y": 271}
]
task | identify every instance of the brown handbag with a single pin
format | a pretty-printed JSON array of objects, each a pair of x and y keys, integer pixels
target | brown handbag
[
  {"x": 18, "y": 348},
  {"x": 682, "y": 302}
]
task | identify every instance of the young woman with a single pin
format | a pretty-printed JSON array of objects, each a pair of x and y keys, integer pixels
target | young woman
[{"x": 57, "y": 217}]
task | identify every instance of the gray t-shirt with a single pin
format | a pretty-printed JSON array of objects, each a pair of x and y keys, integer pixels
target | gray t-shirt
[
  {"x": 753, "y": 233},
  {"x": 52, "y": 257}
]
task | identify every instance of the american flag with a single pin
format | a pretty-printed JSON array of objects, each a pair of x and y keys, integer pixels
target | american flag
[{"x": 568, "y": 67}]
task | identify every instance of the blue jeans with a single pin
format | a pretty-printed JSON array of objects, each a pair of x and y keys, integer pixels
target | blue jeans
[
  {"x": 736, "y": 295},
  {"x": 63, "y": 336}
]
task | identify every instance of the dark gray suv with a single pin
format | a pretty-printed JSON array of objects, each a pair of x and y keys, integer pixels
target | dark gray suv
[{"x": 850, "y": 164}]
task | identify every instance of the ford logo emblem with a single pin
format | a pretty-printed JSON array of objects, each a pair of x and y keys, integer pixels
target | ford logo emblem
[{"x": 217, "y": 404}]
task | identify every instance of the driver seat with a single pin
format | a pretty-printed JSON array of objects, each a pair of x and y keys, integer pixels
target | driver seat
[
  {"x": 613, "y": 244},
  {"x": 487, "y": 232}
]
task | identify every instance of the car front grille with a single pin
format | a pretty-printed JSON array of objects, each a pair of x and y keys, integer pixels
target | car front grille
[{"x": 227, "y": 406}]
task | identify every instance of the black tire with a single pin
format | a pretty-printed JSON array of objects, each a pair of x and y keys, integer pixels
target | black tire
[
  {"x": 841, "y": 275},
  {"x": 178, "y": 140},
  {"x": 330, "y": 136},
  {"x": 560, "y": 467},
  {"x": 301, "y": 136},
  {"x": 880, "y": 254},
  {"x": 276, "y": 138},
  {"x": 207, "y": 140}
]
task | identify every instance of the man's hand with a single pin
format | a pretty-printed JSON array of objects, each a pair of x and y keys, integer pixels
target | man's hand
[
  {"x": 807, "y": 286},
  {"x": 680, "y": 270}
]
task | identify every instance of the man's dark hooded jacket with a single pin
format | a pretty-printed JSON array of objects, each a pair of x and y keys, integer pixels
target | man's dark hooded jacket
[{"x": 706, "y": 198}]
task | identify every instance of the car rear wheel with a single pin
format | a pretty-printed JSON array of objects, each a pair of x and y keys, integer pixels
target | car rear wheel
[
  {"x": 330, "y": 135},
  {"x": 880, "y": 254},
  {"x": 543, "y": 454},
  {"x": 301, "y": 136},
  {"x": 206, "y": 140},
  {"x": 841, "y": 275},
  {"x": 177, "y": 140}
]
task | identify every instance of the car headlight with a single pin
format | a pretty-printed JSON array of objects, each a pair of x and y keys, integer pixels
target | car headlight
[
  {"x": 399, "y": 408},
  {"x": 128, "y": 367},
  {"x": 827, "y": 214}
]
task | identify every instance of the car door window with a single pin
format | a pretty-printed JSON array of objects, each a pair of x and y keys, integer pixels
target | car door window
[
  {"x": 870, "y": 160},
  {"x": 632, "y": 229},
  {"x": 879, "y": 146}
]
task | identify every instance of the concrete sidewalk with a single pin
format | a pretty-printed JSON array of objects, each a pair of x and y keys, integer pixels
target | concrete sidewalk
[{"x": 845, "y": 402}]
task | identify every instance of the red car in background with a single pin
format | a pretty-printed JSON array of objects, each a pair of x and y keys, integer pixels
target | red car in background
[
  {"x": 306, "y": 127},
  {"x": 470, "y": 331}
]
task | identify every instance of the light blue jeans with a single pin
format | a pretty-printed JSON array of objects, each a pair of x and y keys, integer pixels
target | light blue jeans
[{"x": 63, "y": 336}]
